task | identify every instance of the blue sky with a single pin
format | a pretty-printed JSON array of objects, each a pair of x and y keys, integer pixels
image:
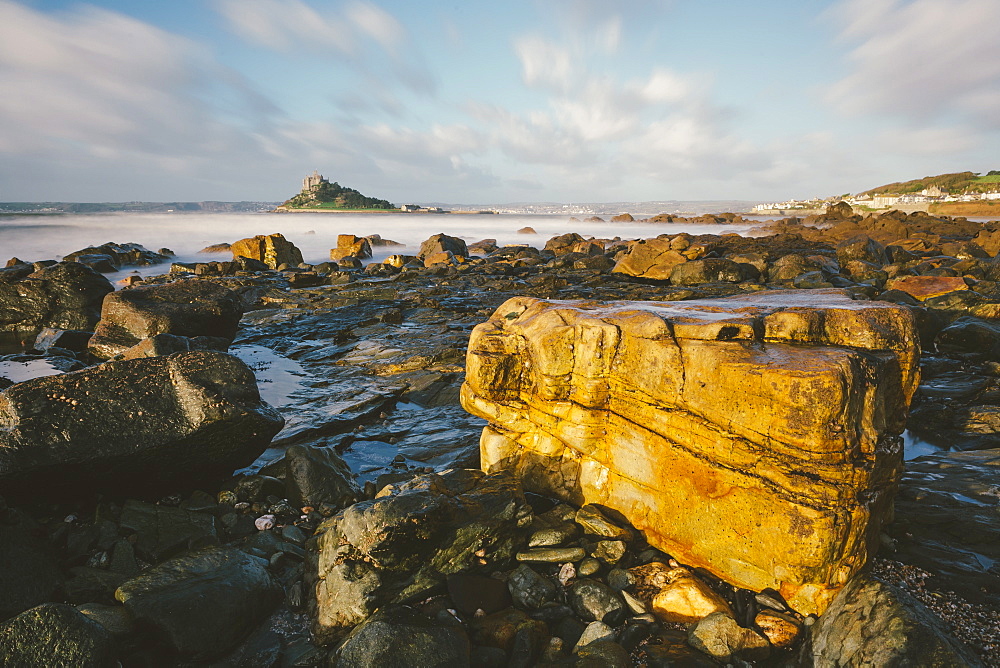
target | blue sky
[{"x": 469, "y": 102}]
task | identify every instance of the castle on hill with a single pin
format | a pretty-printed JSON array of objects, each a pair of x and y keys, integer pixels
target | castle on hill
[{"x": 312, "y": 182}]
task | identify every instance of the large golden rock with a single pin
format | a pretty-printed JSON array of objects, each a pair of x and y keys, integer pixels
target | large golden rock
[
  {"x": 273, "y": 250},
  {"x": 755, "y": 436}
]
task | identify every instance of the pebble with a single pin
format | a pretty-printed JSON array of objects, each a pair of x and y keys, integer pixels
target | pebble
[
  {"x": 589, "y": 566},
  {"x": 566, "y": 573},
  {"x": 264, "y": 522},
  {"x": 595, "y": 631},
  {"x": 552, "y": 554},
  {"x": 556, "y": 535},
  {"x": 593, "y": 522},
  {"x": 782, "y": 630},
  {"x": 619, "y": 579},
  {"x": 610, "y": 551}
]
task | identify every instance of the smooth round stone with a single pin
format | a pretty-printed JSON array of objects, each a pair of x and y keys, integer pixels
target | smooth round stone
[
  {"x": 595, "y": 631},
  {"x": 588, "y": 567},
  {"x": 553, "y": 535},
  {"x": 552, "y": 555},
  {"x": 593, "y": 522},
  {"x": 619, "y": 579},
  {"x": 529, "y": 589},
  {"x": 605, "y": 653}
]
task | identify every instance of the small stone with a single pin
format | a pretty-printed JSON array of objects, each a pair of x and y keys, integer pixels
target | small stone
[
  {"x": 595, "y": 601},
  {"x": 293, "y": 534},
  {"x": 634, "y": 604},
  {"x": 781, "y": 630},
  {"x": 264, "y": 522},
  {"x": 595, "y": 631},
  {"x": 685, "y": 598},
  {"x": 593, "y": 522},
  {"x": 719, "y": 636},
  {"x": 610, "y": 551},
  {"x": 556, "y": 535},
  {"x": 552, "y": 554},
  {"x": 589, "y": 566},
  {"x": 605, "y": 653},
  {"x": 566, "y": 574}
]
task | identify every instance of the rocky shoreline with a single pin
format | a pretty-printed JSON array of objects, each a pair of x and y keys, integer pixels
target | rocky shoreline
[{"x": 364, "y": 533}]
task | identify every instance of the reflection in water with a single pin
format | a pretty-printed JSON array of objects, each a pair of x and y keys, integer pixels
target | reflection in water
[
  {"x": 21, "y": 371},
  {"x": 277, "y": 376},
  {"x": 914, "y": 447}
]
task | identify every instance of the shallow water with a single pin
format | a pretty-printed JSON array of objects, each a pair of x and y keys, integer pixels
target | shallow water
[{"x": 21, "y": 371}]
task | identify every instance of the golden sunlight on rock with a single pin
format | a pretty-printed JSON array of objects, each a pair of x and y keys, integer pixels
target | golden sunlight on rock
[{"x": 754, "y": 436}]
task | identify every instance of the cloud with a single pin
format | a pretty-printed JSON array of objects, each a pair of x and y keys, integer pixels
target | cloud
[
  {"x": 920, "y": 60},
  {"x": 365, "y": 36}
]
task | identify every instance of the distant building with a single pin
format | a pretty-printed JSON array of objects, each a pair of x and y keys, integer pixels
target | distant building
[
  {"x": 884, "y": 201},
  {"x": 312, "y": 181},
  {"x": 934, "y": 192}
]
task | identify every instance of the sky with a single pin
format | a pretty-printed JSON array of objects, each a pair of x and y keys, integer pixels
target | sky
[{"x": 474, "y": 102}]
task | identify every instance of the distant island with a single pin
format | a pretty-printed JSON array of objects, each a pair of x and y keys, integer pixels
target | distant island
[
  {"x": 318, "y": 194},
  {"x": 956, "y": 194},
  {"x": 55, "y": 208}
]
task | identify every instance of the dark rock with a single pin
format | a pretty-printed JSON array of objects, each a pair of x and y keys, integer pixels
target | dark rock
[
  {"x": 712, "y": 270},
  {"x": 189, "y": 308},
  {"x": 604, "y": 653},
  {"x": 971, "y": 335},
  {"x": 75, "y": 340},
  {"x": 93, "y": 585},
  {"x": 870, "y": 623},
  {"x": 134, "y": 425},
  {"x": 102, "y": 263},
  {"x": 400, "y": 547},
  {"x": 595, "y": 601},
  {"x": 318, "y": 475},
  {"x": 120, "y": 255},
  {"x": 442, "y": 243},
  {"x": 55, "y": 634},
  {"x": 162, "y": 531},
  {"x": 862, "y": 248},
  {"x": 399, "y": 637},
  {"x": 529, "y": 589},
  {"x": 205, "y": 602},
  {"x": 470, "y": 593},
  {"x": 30, "y": 573},
  {"x": 66, "y": 295}
]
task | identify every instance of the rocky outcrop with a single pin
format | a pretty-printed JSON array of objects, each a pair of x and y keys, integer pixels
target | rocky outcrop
[
  {"x": 119, "y": 255},
  {"x": 138, "y": 425},
  {"x": 349, "y": 245},
  {"x": 399, "y": 547},
  {"x": 870, "y": 623},
  {"x": 190, "y": 309},
  {"x": 442, "y": 243},
  {"x": 55, "y": 634},
  {"x": 66, "y": 295},
  {"x": 273, "y": 250},
  {"x": 755, "y": 436},
  {"x": 650, "y": 258}
]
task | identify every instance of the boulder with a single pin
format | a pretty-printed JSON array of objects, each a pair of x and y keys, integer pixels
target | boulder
[
  {"x": 871, "y": 623},
  {"x": 719, "y": 636},
  {"x": 399, "y": 547},
  {"x": 66, "y": 295},
  {"x": 622, "y": 218},
  {"x": 862, "y": 248},
  {"x": 563, "y": 243},
  {"x": 120, "y": 255},
  {"x": 55, "y": 634},
  {"x": 188, "y": 308},
  {"x": 400, "y": 637},
  {"x": 350, "y": 245},
  {"x": 926, "y": 287},
  {"x": 273, "y": 250},
  {"x": 731, "y": 446},
  {"x": 712, "y": 270},
  {"x": 315, "y": 476},
  {"x": 650, "y": 258},
  {"x": 442, "y": 243},
  {"x": 134, "y": 425},
  {"x": 205, "y": 602}
]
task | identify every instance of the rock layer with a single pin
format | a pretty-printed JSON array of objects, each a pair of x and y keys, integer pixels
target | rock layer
[{"x": 755, "y": 436}]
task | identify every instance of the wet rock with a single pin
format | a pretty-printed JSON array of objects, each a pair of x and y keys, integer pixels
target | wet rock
[
  {"x": 135, "y": 425},
  {"x": 401, "y": 637},
  {"x": 780, "y": 630},
  {"x": 204, "y": 602},
  {"x": 529, "y": 589},
  {"x": 55, "y": 634},
  {"x": 30, "y": 573},
  {"x": 595, "y": 601},
  {"x": 595, "y": 632},
  {"x": 556, "y": 535},
  {"x": 442, "y": 243},
  {"x": 593, "y": 521},
  {"x": 553, "y": 555},
  {"x": 512, "y": 631},
  {"x": 604, "y": 654},
  {"x": 190, "y": 308},
  {"x": 875, "y": 624},
  {"x": 971, "y": 335},
  {"x": 862, "y": 248},
  {"x": 563, "y": 244},
  {"x": 120, "y": 255},
  {"x": 719, "y": 636},
  {"x": 401, "y": 546},
  {"x": 650, "y": 258},
  {"x": 318, "y": 475},
  {"x": 66, "y": 295},
  {"x": 273, "y": 250},
  {"x": 948, "y": 521},
  {"x": 68, "y": 339},
  {"x": 713, "y": 379}
]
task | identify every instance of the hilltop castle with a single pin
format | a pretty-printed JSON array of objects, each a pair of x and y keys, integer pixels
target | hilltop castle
[{"x": 312, "y": 182}]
